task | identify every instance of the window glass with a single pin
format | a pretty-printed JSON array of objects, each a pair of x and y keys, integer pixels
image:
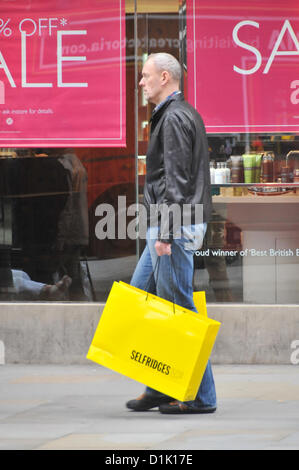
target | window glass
[
  {"x": 60, "y": 207},
  {"x": 68, "y": 215},
  {"x": 250, "y": 252}
]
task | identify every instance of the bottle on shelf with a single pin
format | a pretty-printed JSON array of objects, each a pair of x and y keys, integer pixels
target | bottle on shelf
[
  {"x": 237, "y": 171},
  {"x": 267, "y": 168},
  {"x": 220, "y": 173},
  {"x": 227, "y": 173},
  {"x": 212, "y": 172},
  {"x": 296, "y": 179}
]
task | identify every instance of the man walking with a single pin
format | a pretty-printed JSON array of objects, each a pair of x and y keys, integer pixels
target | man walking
[{"x": 177, "y": 173}]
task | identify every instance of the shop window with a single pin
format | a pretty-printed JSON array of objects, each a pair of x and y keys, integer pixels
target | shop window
[{"x": 54, "y": 201}]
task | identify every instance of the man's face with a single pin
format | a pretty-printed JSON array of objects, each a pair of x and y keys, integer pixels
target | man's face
[{"x": 151, "y": 82}]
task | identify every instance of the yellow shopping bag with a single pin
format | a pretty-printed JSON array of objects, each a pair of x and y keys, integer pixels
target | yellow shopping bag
[{"x": 154, "y": 341}]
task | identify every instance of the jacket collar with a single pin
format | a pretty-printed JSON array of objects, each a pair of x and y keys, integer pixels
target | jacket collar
[{"x": 160, "y": 108}]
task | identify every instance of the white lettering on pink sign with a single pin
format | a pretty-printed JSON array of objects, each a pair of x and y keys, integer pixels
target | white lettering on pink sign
[
  {"x": 242, "y": 59},
  {"x": 61, "y": 86}
]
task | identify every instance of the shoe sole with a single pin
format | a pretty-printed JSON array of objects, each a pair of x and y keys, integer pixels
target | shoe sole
[{"x": 189, "y": 411}]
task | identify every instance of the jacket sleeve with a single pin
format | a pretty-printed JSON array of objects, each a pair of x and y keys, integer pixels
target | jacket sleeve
[{"x": 177, "y": 157}]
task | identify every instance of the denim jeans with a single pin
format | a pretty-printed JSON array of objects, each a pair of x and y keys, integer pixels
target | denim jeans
[
  {"x": 25, "y": 286},
  {"x": 173, "y": 281}
]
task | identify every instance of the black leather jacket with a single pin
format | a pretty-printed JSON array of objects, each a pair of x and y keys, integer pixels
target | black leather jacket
[{"x": 177, "y": 161}]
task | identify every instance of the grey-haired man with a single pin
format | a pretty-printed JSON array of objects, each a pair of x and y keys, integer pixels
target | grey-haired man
[{"x": 177, "y": 173}]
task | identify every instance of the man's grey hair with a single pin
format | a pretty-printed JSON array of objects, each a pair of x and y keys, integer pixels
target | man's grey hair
[{"x": 168, "y": 62}]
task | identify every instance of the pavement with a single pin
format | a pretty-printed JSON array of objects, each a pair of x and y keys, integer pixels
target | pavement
[{"x": 82, "y": 407}]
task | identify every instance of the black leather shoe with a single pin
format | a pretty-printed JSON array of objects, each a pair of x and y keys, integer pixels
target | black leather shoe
[
  {"x": 176, "y": 407},
  {"x": 146, "y": 402}
]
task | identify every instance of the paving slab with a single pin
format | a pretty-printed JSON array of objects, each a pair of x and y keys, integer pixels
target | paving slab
[{"x": 82, "y": 407}]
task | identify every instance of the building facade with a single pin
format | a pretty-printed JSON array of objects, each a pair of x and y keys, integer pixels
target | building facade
[{"x": 73, "y": 209}]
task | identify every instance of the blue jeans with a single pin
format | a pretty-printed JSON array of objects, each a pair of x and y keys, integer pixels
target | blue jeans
[
  {"x": 25, "y": 286},
  {"x": 173, "y": 281}
]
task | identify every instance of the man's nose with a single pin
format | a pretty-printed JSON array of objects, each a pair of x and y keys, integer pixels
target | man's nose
[{"x": 141, "y": 83}]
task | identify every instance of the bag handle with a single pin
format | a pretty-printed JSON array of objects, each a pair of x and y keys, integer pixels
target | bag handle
[{"x": 152, "y": 274}]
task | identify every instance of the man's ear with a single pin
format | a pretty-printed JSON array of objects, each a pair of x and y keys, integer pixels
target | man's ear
[{"x": 165, "y": 77}]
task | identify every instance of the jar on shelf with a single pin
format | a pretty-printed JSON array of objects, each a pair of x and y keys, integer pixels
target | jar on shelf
[
  {"x": 286, "y": 174},
  {"x": 293, "y": 159},
  {"x": 296, "y": 175}
]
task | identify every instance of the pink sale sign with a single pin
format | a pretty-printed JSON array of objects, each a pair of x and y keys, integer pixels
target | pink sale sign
[
  {"x": 243, "y": 64},
  {"x": 62, "y": 73}
]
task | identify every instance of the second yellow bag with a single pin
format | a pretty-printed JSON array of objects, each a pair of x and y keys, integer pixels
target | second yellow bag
[{"x": 153, "y": 341}]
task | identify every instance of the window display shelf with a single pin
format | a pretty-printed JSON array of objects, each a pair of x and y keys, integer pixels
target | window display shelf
[
  {"x": 286, "y": 198},
  {"x": 259, "y": 185},
  {"x": 234, "y": 193}
]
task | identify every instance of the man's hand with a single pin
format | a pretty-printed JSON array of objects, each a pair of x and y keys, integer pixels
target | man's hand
[{"x": 163, "y": 248}]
